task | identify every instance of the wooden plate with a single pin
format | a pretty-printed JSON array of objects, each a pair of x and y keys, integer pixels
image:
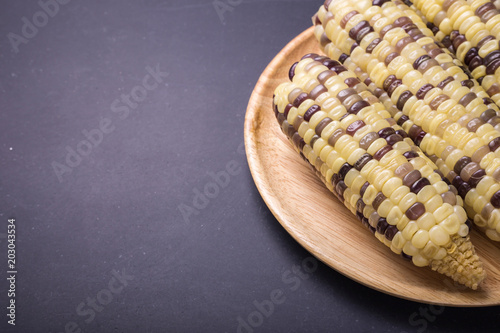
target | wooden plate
[{"x": 322, "y": 225}]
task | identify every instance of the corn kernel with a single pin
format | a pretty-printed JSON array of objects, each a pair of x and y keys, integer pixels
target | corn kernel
[
  {"x": 358, "y": 183},
  {"x": 349, "y": 149},
  {"x": 366, "y": 171},
  {"x": 391, "y": 185},
  {"x": 398, "y": 194},
  {"x": 376, "y": 145},
  {"x": 350, "y": 176},
  {"x": 337, "y": 164},
  {"x": 426, "y": 193},
  {"x": 443, "y": 212},
  {"x": 420, "y": 239},
  {"x": 426, "y": 221},
  {"x": 434, "y": 178},
  {"x": 381, "y": 178},
  {"x": 484, "y": 184},
  {"x": 370, "y": 194},
  {"x": 440, "y": 187},
  {"x": 433, "y": 203},
  {"x": 332, "y": 157},
  {"x": 409, "y": 249},
  {"x": 430, "y": 249},
  {"x": 309, "y": 135},
  {"x": 460, "y": 213},
  {"x": 409, "y": 230},
  {"x": 450, "y": 224},
  {"x": 439, "y": 236},
  {"x": 494, "y": 220},
  {"x": 319, "y": 145},
  {"x": 398, "y": 241}
]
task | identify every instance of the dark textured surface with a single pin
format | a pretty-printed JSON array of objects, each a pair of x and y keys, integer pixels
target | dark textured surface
[{"x": 118, "y": 210}]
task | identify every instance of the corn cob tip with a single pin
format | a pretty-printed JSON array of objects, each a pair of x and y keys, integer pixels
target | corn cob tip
[{"x": 461, "y": 263}]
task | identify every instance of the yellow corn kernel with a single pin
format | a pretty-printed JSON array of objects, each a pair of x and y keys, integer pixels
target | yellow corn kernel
[
  {"x": 398, "y": 241},
  {"x": 337, "y": 164},
  {"x": 309, "y": 135},
  {"x": 430, "y": 250},
  {"x": 358, "y": 183},
  {"x": 426, "y": 221},
  {"x": 348, "y": 150},
  {"x": 433, "y": 203},
  {"x": 329, "y": 104},
  {"x": 366, "y": 171},
  {"x": 494, "y": 220},
  {"x": 484, "y": 184},
  {"x": 394, "y": 216},
  {"x": 439, "y": 236},
  {"x": 487, "y": 159},
  {"x": 460, "y": 213},
  {"x": 391, "y": 185},
  {"x": 418, "y": 163},
  {"x": 409, "y": 249},
  {"x": 328, "y": 130},
  {"x": 479, "y": 203},
  {"x": 316, "y": 118},
  {"x": 332, "y": 157},
  {"x": 406, "y": 202},
  {"x": 453, "y": 158},
  {"x": 471, "y": 197},
  {"x": 420, "y": 238},
  {"x": 381, "y": 177},
  {"x": 342, "y": 142},
  {"x": 398, "y": 194},
  {"x": 355, "y": 155},
  {"x": 492, "y": 190},
  {"x": 319, "y": 145},
  {"x": 443, "y": 212},
  {"x": 451, "y": 224},
  {"x": 426, "y": 170},
  {"x": 410, "y": 230},
  {"x": 337, "y": 112},
  {"x": 426, "y": 193},
  {"x": 350, "y": 176},
  {"x": 370, "y": 194},
  {"x": 384, "y": 208},
  {"x": 376, "y": 145}
]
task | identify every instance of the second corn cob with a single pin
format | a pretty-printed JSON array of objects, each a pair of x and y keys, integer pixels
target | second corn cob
[
  {"x": 345, "y": 133},
  {"x": 430, "y": 89}
]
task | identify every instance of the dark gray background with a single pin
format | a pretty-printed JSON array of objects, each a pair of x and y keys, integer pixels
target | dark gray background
[{"x": 119, "y": 208}]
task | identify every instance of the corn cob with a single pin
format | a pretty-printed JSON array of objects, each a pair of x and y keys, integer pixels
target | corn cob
[
  {"x": 457, "y": 129},
  {"x": 470, "y": 29},
  {"x": 357, "y": 149}
]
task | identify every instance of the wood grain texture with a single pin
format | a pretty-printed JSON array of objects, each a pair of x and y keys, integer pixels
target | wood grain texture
[{"x": 323, "y": 226}]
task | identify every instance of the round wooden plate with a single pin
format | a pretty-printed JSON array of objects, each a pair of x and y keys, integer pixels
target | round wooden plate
[{"x": 322, "y": 225}]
